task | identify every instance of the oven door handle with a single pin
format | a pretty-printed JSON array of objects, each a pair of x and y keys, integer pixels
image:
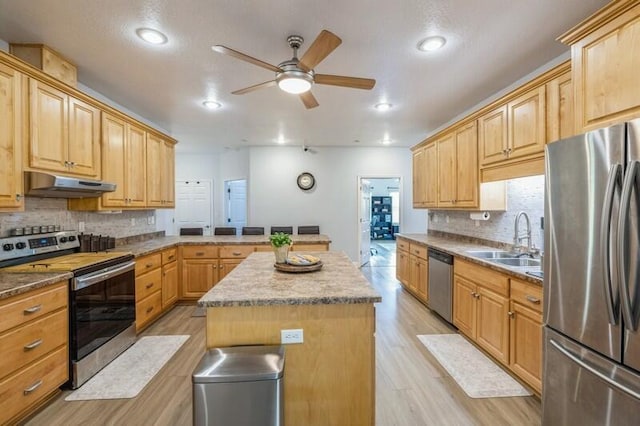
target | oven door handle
[{"x": 84, "y": 281}]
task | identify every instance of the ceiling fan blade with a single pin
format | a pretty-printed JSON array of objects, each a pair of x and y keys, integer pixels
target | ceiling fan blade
[
  {"x": 308, "y": 99},
  {"x": 238, "y": 55},
  {"x": 322, "y": 46},
  {"x": 254, "y": 87},
  {"x": 339, "y": 80}
]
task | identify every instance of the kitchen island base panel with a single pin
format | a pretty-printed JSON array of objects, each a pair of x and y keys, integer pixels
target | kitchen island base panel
[{"x": 329, "y": 379}]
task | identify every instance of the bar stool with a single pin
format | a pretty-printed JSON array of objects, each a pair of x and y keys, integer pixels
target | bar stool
[
  {"x": 308, "y": 229},
  {"x": 191, "y": 231},
  {"x": 285, "y": 229},
  {"x": 224, "y": 230},
  {"x": 252, "y": 230}
]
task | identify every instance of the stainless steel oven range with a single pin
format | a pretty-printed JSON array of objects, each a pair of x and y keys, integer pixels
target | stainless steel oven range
[{"x": 101, "y": 295}]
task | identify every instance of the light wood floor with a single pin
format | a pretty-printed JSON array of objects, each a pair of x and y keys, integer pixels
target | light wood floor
[{"x": 412, "y": 389}]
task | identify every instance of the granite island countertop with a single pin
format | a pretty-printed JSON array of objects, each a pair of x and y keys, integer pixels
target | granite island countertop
[
  {"x": 458, "y": 247},
  {"x": 255, "y": 282},
  {"x": 144, "y": 248},
  {"x": 13, "y": 284}
]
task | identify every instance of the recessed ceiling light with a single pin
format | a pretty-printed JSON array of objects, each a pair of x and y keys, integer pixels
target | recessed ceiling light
[
  {"x": 280, "y": 140},
  {"x": 383, "y": 106},
  {"x": 386, "y": 141},
  {"x": 151, "y": 36},
  {"x": 430, "y": 44},
  {"x": 212, "y": 104}
]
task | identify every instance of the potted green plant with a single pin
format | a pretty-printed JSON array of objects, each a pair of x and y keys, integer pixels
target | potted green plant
[{"x": 280, "y": 243}]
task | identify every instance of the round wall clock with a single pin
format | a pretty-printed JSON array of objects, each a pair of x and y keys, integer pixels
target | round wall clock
[{"x": 306, "y": 181}]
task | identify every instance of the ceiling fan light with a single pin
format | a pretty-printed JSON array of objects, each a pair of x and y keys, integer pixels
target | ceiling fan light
[{"x": 294, "y": 85}]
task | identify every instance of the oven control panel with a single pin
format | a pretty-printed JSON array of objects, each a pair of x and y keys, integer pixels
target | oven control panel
[{"x": 29, "y": 245}]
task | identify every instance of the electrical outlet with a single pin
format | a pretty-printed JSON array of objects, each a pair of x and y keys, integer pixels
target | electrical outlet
[
  {"x": 150, "y": 220},
  {"x": 133, "y": 221},
  {"x": 80, "y": 226},
  {"x": 291, "y": 336},
  {"x": 446, "y": 218}
]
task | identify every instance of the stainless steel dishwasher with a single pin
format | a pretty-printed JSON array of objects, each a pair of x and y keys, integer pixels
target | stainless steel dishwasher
[{"x": 441, "y": 283}]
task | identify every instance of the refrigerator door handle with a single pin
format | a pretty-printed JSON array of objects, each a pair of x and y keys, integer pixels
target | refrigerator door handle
[
  {"x": 613, "y": 183},
  {"x": 594, "y": 370},
  {"x": 625, "y": 203}
]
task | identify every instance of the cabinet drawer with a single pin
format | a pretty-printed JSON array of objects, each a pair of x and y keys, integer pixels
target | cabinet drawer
[
  {"x": 309, "y": 247},
  {"x": 29, "y": 342},
  {"x": 264, "y": 247},
  {"x": 30, "y": 385},
  {"x": 147, "y": 309},
  {"x": 236, "y": 252},
  {"x": 148, "y": 263},
  {"x": 32, "y": 305},
  {"x": 199, "y": 252},
  {"x": 526, "y": 294},
  {"x": 402, "y": 244},
  {"x": 420, "y": 251},
  {"x": 169, "y": 256},
  {"x": 486, "y": 277},
  {"x": 148, "y": 283}
]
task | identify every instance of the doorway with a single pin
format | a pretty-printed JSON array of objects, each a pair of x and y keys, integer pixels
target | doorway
[
  {"x": 384, "y": 215},
  {"x": 235, "y": 203},
  {"x": 194, "y": 205}
]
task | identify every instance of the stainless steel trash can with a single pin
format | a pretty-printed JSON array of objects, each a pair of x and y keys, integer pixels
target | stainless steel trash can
[{"x": 240, "y": 386}]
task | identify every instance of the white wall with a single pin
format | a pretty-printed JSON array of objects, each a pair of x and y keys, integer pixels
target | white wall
[{"x": 275, "y": 199}]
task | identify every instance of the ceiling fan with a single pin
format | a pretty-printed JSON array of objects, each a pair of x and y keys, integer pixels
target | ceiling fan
[{"x": 297, "y": 75}]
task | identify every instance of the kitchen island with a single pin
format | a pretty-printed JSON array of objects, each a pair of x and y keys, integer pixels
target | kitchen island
[{"x": 329, "y": 379}]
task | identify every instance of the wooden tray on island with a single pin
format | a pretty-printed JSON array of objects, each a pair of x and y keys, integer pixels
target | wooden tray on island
[{"x": 286, "y": 267}]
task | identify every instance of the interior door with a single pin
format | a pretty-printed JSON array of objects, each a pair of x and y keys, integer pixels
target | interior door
[
  {"x": 365, "y": 221},
  {"x": 193, "y": 205},
  {"x": 236, "y": 203}
]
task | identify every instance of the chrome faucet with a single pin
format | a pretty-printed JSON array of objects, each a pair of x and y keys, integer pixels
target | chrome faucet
[{"x": 518, "y": 236}]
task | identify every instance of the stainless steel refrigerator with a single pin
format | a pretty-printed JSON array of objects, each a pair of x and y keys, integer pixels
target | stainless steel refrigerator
[{"x": 591, "y": 372}]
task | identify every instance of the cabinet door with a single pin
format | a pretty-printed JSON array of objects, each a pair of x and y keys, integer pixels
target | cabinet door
[
  {"x": 169, "y": 284},
  {"x": 560, "y": 111},
  {"x": 447, "y": 171},
  {"x": 168, "y": 177},
  {"x": 467, "y": 166},
  {"x": 227, "y": 265},
  {"x": 527, "y": 131},
  {"x": 11, "y": 196},
  {"x": 84, "y": 139},
  {"x": 135, "y": 166},
  {"x": 464, "y": 306},
  {"x": 492, "y": 136},
  {"x": 525, "y": 352},
  {"x": 493, "y": 324},
  {"x": 48, "y": 118},
  {"x": 198, "y": 276},
  {"x": 414, "y": 273},
  {"x": 419, "y": 178},
  {"x": 420, "y": 278},
  {"x": 402, "y": 267},
  {"x": 155, "y": 170},
  {"x": 431, "y": 175},
  {"x": 114, "y": 158},
  {"x": 605, "y": 68}
]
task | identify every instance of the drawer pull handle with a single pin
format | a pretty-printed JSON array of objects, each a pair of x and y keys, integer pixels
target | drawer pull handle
[
  {"x": 33, "y": 387},
  {"x": 171, "y": 257},
  {"x": 150, "y": 309},
  {"x": 32, "y": 310},
  {"x": 148, "y": 265},
  {"x": 199, "y": 253},
  {"x": 511, "y": 314},
  {"x": 33, "y": 345},
  {"x": 236, "y": 253},
  {"x": 532, "y": 299},
  {"x": 149, "y": 285}
]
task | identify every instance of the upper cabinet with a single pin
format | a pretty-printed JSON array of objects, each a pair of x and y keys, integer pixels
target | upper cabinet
[
  {"x": 160, "y": 172},
  {"x": 64, "y": 132},
  {"x": 605, "y": 64},
  {"x": 425, "y": 177},
  {"x": 560, "y": 109},
  {"x": 11, "y": 139}
]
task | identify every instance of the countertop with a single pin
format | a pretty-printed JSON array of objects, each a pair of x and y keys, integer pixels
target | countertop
[
  {"x": 459, "y": 248},
  {"x": 13, "y": 284},
  {"x": 255, "y": 282},
  {"x": 144, "y": 248}
]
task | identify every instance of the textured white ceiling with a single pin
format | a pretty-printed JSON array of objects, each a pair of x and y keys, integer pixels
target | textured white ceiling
[{"x": 491, "y": 44}]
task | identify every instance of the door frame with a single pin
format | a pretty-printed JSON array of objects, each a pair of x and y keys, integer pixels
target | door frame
[
  {"x": 176, "y": 228},
  {"x": 400, "y": 201}
]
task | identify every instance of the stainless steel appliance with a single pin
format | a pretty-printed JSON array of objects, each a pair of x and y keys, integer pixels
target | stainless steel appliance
[
  {"x": 38, "y": 184},
  {"x": 101, "y": 295},
  {"x": 591, "y": 278},
  {"x": 441, "y": 283}
]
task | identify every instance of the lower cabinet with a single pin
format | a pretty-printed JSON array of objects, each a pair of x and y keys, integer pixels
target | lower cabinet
[
  {"x": 402, "y": 262},
  {"x": 169, "y": 278},
  {"x": 34, "y": 337},
  {"x": 156, "y": 285},
  {"x": 412, "y": 268}
]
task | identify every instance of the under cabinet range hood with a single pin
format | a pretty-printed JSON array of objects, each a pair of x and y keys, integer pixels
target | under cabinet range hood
[{"x": 38, "y": 184}]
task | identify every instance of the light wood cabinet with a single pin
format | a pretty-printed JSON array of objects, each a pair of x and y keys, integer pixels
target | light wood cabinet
[
  {"x": 402, "y": 262},
  {"x": 412, "y": 268},
  {"x": 64, "y": 132},
  {"x": 446, "y": 148},
  {"x": 605, "y": 64},
  {"x": 35, "y": 349},
  {"x": 431, "y": 176},
  {"x": 199, "y": 270},
  {"x": 419, "y": 178},
  {"x": 46, "y": 59},
  {"x": 148, "y": 290},
  {"x": 160, "y": 160},
  {"x": 493, "y": 140},
  {"x": 560, "y": 110},
  {"x": 169, "y": 284},
  {"x": 492, "y": 332},
  {"x": 464, "y": 306},
  {"x": 525, "y": 351},
  {"x": 11, "y": 139},
  {"x": 419, "y": 277}
]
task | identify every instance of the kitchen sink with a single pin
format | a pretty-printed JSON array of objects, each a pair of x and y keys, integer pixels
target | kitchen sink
[
  {"x": 520, "y": 262},
  {"x": 491, "y": 254}
]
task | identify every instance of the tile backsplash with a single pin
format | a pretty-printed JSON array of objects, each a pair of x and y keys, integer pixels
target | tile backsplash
[
  {"x": 523, "y": 194},
  {"x": 53, "y": 211}
]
